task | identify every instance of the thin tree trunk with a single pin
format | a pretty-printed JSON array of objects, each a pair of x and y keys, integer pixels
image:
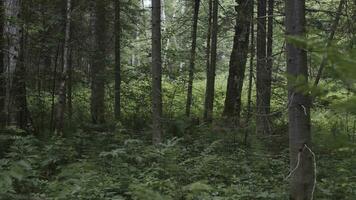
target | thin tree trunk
[
  {"x": 39, "y": 91},
  {"x": 61, "y": 106},
  {"x": 238, "y": 59},
  {"x": 52, "y": 126},
  {"x": 165, "y": 63},
  {"x": 329, "y": 41},
  {"x": 250, "y": 76},
  {"x": 39, "y": 78},
  {"x": 156, "y": 73},
  {"x": 263, "y": 82},
  {"x": 70, "y": 87},
  {"x": 302, "y": 183},
  {"x": 2, "y": 67},
  {"x": 98, "y": 65},
  {"x": 192, "y": 57},
  {"x": 210, "y": 81},
  {"x": 208, "y": 48},
  {"x": 117, "y": 106},
  {"x": 269, "y": 61}
]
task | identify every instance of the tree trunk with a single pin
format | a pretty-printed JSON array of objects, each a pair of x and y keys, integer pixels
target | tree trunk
[
  {"x": 192, "y": 57},
  {"x": 156, "y": 73},
  {"x": 210, "y": 75},
  {"x": 70, "y": 86},
  {"x": 52, "y": 125},
  {"x": 269, "y": 61},
  {"x": 301, "y": 158},
  {"x": 22, "y": 114},
  {"x": 117, "y": 107},
  {"x": 238, "y": 60},
  {"x": 12, "y": 33},
  {"x": 208, "y": 48},
  {"x": 98, "y": 65},
  {"x": 61, "y": 105},
  {"x": 263, "y": 82},
  {"x": 2, "y": 67},
  {"x": 250, "y": 76}
]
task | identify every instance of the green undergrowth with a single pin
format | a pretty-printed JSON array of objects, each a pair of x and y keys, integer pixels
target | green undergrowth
[{"x": 207, "y": 163}]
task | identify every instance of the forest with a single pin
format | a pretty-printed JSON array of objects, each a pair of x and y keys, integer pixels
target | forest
[{"x": 177, "y": 99}]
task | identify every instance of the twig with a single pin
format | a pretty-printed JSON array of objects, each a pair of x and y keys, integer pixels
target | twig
[
  {"x": 314, "y": 161},
  {"x": 297, "y": 166},
  {"x": 304, "y": 109}
]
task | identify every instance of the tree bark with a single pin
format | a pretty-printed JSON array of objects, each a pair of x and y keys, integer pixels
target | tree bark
[
  {"x": 263, "y": 82},
  {"x": 12, "y": 32},
  {"x": 70, "y": 87},
  {"x": 238, "y": 60},
  {"x": 269, "y": 61},
  {"x": 208, "y": 49},
  {"x": 192, "y": 57},
  {"x": 98, "y": 66},
  {"x": 210, "y": 80},
  {"x": 250, "y": 76},
  {"x": 61, "y": 105},
  {"x": 52, "y": 125},
  {"x": 2, "y": 67},
  {"x": 117, "y": 107},
  {"x": 19, "y": 92},
  {"x": 156, "y": 73},
  {"x": 301, "y": 158}
]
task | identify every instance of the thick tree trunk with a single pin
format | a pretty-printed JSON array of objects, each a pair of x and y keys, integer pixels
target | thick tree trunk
[
  {"x": 192, "y": 57},
  {"x": 98, "y": 65},
  {"x": 156, "y": 73},
  {"x": 117, "y": 106},
  {"x": 301, "y": 158},
  {"x": 12, "y": 34},
  {"x": 210, "y": 75},
  {"x": 238, "y": 61},
  {"x": 22, "y": 114},
  {"x": 263, "y": 82},
  {"x": 61, "y": 105}
]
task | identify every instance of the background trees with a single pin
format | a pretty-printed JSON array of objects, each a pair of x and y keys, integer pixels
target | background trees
[
  {"x": 113, "y": 77},
  {"x": 263, "y": 73}
]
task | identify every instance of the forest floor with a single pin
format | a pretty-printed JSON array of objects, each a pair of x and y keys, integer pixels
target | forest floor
[{"x": 203, "y": 164}]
